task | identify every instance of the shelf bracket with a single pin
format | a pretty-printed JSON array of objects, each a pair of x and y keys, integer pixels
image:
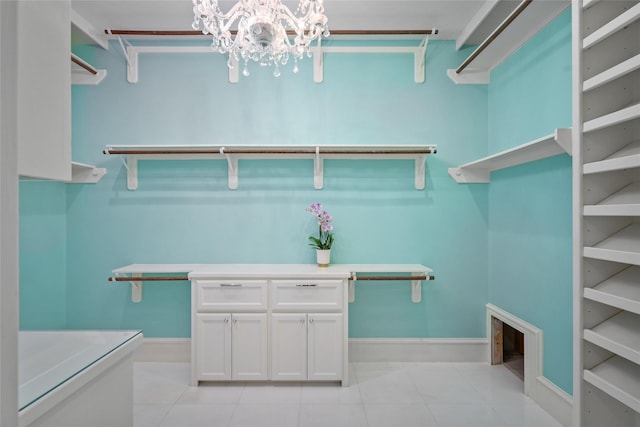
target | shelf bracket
[
  {"x": 318, "y": 170},
  {"x": 132, "y": 172},
  {"x": 232, "y": 169},
  {"x": 351, "y": 290},
  {"x": 420, "y": 171},
  {"x": 136, "y": 287},
  {"x": 420, "y": 58},
  {"x": 416, "y": 289}
]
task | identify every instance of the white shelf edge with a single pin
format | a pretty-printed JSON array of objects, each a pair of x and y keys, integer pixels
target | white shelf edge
[
  {"x": 477, "y": 20},
  {"x": 530, "y": 21},
  {"x": 629, "y": 113},
  {"x": 625, "y": 202},
  {"x": 313, "y": 152},
  {"x": 86, "y": 174},
  {"x": 626, "y": 158},
  {"x": 85, "y": 74},
  {"x": 88, "y": 30},
  {"x": 612, "y": 27},
  {"x": 616, "y": 247},
  {"x": 622, "y": 69},
  {"x": 613, "y": 335},
  {"x": 618, "y": 378},
  {"x": 480, "y": 170},
  {"x": 620, "y": 291}
]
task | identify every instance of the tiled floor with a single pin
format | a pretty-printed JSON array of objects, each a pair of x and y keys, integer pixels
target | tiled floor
[{"x": 381, "y": 394}]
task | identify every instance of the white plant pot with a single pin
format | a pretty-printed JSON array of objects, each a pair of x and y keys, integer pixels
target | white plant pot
[{"x": 323, "y": 256}]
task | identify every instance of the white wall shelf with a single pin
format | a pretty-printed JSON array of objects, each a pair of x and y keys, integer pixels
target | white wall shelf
[
  {"x": 133, "y": 153},
  {"x": 134, "y": 274},
  {"x": 624, "y": 115},
  {"x": 86, "y": 174},
  {"x": 625, "y": 202},
  {"x": 83, "y": 73},
  {"x": 619, "y": 378},
  {"x": 621, "y": 247},
  {"x": 619, "y": 291},
  {"x": 479, "y": 171},
  {"x": 619, "y": 335},
  {"x": 522, "y": 24},
  {"x": 625, "y": 158},
  {"x": 612, "y": 27}
]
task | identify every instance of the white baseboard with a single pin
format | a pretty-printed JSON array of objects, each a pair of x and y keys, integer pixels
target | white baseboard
[
  {"x": 554, "y": 400},
  {"x": 164, "y": 350},
  {"x": 418, "y": 350}
]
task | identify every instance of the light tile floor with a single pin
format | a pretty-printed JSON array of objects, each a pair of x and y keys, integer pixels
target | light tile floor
[{"x": 380, "y": 395}]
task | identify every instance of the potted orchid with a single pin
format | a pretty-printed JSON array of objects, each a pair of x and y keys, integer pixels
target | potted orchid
[{"x": 324, "y": 241}]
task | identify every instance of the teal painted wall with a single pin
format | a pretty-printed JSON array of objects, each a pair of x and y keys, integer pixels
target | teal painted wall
[
  {"x": 43, "y": 255},
  {"x": 184, "y": 213},
  {"x": 530, "y": 273}
]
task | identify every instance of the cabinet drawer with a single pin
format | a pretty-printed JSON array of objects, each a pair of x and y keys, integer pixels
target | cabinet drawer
[
  {"x": 230, "y": 295},
  {"x": 307, "y": 295}
]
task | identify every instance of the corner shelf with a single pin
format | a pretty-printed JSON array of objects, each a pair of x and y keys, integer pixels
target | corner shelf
[
  {"x": 522, "y": 24},
  {"x": 86, "y": 174},
  {"x": 82, "y": 73},
  {"x": 547, "y": 146},
  {"x": 133, "y": 153}
]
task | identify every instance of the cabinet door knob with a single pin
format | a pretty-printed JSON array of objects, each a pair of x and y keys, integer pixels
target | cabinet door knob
[
  {"x": 302, "y": 320},
  {"x": 311, "y": 320},
  {"x": 235, "y": 320},
  {"x": 226, "y": 320}
]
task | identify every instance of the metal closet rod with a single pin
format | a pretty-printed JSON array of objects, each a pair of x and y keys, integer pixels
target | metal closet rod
[
  {"x": 334, "y": 32},
  {"x": 147, "y": 279},
  {"x": 185, "y": 278},
  {"x": 83, "y": 65},
  {"x": 269, "y": 151},
  {"x": 424, "y": 277},
  {"x": 517, "y": 11}
]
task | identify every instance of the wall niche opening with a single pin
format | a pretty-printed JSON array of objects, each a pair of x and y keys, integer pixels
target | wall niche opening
[{"x": 507, "y": 347}]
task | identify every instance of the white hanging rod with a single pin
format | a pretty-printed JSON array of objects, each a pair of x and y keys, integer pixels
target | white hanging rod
[{"x": 518, "y": 10}]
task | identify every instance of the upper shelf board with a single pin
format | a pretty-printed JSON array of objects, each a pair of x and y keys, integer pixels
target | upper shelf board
[
  {"x": 233, "y": 153},
  {"x": 480, "y": 170},
  {"x": 507, "y": 38},
  {"x": 83, "y": 73}
]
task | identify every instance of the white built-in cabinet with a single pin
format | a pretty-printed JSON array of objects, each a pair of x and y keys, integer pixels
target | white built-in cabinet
[
  {"x": 269, "y": 328},
  {"x": 44, "y": 90},
  {"x": 231, "y": 346},
  {"x": 606, "y": 156}
]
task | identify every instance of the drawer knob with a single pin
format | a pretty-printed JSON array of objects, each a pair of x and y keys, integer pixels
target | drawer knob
[{"x": 306, "y": 285}]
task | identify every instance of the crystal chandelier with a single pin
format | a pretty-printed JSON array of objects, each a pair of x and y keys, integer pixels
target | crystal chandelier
[{"x": 262, "y": 27}]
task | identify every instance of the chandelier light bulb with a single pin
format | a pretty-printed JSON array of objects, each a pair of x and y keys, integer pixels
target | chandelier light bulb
[{"x": 267, "y": 31}]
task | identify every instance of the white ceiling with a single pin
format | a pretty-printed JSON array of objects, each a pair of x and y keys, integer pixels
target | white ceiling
[{"x": 450, "y": 17}]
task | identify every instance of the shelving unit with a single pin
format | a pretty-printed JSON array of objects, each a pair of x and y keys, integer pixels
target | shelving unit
[
  {"x": 522, "y": 24},
  {"x": 233, "y": 153},
  {"x": 479, "y": 171},
  {"x": 606, "y": 156}
]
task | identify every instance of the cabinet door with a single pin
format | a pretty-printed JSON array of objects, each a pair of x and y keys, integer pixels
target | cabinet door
[
  {"x": 288, "y": 346},
  {"x": 326, "y": 346},
  {"x": 249, "y": 346},
  {"x": 213, "y": 347},
  {"x": 44, "y": 89}
]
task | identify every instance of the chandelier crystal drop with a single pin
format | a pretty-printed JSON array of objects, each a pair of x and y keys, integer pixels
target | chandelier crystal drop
[{"x": 262, "y": 27}]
